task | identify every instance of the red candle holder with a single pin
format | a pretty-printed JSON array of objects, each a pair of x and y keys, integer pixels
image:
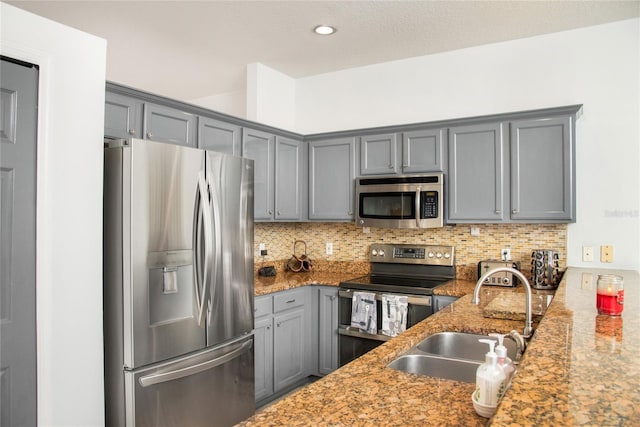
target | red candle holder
[{"x": 610, "y": 295}]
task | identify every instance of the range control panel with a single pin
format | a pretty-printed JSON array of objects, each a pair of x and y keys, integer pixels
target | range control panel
[{"x": 412, "y": 254}]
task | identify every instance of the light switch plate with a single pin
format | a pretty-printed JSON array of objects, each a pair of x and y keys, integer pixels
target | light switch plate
[
  {"x": 587, "y": 253},
  {"x": 587, "y": 281},
  {"x": 606, "y": 253}
]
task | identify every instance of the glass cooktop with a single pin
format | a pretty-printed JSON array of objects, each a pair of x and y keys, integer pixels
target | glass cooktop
[{"x": 399, "y": 284}]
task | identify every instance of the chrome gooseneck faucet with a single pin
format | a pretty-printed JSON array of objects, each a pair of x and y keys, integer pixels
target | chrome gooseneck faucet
[{"x": 528, "y": 328}]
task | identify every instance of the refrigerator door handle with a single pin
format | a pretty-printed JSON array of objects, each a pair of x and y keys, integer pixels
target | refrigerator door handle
[
  {"x": 214, "y": 206},
  {"x": 150, "y": 380},
  {"x": 202, "y": 237}
]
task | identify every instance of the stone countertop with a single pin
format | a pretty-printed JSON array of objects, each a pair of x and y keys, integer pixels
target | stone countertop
[{"x": 579, "y": 368}]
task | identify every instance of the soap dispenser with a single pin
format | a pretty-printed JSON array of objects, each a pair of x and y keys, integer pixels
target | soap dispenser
[
  {"x": 504, "y": 361},
  {"x": 490, "y": 378}
]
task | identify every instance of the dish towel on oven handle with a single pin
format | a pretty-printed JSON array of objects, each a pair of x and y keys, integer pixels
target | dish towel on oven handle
[
  {"x": 394, "y": 314},
  {"x": 363, "y": 312}
]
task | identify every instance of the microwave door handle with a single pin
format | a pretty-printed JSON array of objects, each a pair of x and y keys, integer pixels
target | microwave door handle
[{"x": 417, "y": 206}]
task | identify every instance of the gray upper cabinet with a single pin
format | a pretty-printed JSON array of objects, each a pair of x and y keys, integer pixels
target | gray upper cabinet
[
  {"x": 542, "y": 172},
  {"x": 165, "y": 124},
  {"x": 219, "y": 136},
  {"x": 525, "y": 175},
  {"x": 378, "y": 154},
  {"x": 476, "y": 178},
  {"x": 291, "y": 180},
  {"x": 424, "y": 151},
  {"x": 332, "y": 166},
  {"x": 260, "y": 146},
  {"x": 122, "y": 116}
]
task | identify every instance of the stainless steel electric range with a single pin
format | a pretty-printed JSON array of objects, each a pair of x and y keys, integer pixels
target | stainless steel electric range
[{"x": 396, "y": 269}]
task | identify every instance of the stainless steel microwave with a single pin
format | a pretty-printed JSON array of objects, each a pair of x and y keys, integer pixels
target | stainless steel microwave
[{"x": 404, "y": 201}]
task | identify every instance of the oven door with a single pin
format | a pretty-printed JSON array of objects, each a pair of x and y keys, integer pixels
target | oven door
[{"x": 354, "y": 342}]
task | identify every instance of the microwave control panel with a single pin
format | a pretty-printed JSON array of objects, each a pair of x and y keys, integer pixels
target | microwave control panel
[{"x": 429, "y": 204}]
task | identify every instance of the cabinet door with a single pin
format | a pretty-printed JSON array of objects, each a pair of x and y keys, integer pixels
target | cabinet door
[
  {"x": 477, "y": 170},
  {"x": 219, "y": 136},
  {"x": 122, "y": 116},
  {"x": 423, "y": 151},
  {"x": 259, "y": 146},
  {"x": 291, "y": 182},
  {"x": 378, "y": 154},
  {"x": 441, "y": 301},
  {"x": 165, "y": 124},
  {"x": 289, "y": 348},
  {"x": 331, "y": 179},
  {"x": 263, "y": 358},
  {"x": 542, "y": 173},
  {"x": 328, "y": 330}
]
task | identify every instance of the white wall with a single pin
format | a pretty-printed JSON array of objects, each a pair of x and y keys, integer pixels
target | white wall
[
  {"x": 232, "y": 103},
  {"x": 596, "y": 66},
  {"x": 69, "y": 213},
  {"x": 271, "y": 97}
]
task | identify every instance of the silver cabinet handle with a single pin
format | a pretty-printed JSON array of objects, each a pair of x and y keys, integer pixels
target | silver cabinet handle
[
  {"x": 270, "y": 212},
  {"x": 132, "y": 131},
  {"x": 148, "y": 380},
  {"x": 149, "y": 135},
  {"x": 278, "y": 324},
  {"x": 515, "y": 211},
  {"x": 290, "y": 301},
  {"x": 279, "y": 213},
  {"x": 269, "y": 328},
  {"x": 390, "y": 166},
  {"x": 498, "y": 211}
]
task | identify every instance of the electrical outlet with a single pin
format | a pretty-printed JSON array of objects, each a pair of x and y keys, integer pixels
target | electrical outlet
[
  {"x": 587, "y": 281},
  {"x": 587, "y": 253},
  {"x": 329, "y": 248},
  {"x": 606, "y": 253},
  {"x": 263, "y": 252},
  {"x": 262, "y": 247},
  {"x": 505, "y": 254},
  {"x": 475, "y": 231},
  {"x": 366, "y": 230}
]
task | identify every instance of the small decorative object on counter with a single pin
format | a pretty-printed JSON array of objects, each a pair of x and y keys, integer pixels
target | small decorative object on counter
[
  {"x": 300, "y": 263},
  {"x": 490, "y": 382},
  {"x": 504, "y": 361},
  {"x": 610, "y": 295}
]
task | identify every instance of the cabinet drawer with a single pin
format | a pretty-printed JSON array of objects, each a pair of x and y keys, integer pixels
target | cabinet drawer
[
  {"x": 287, "y": 300},
  {"x": 262, "y": 306}
]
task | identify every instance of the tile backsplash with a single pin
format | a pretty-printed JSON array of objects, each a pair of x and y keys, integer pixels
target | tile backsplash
[{"x": 350, "y": 243}]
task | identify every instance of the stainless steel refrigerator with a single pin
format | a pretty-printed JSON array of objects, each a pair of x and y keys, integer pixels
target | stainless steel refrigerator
[{"x": 178, "y": 286}]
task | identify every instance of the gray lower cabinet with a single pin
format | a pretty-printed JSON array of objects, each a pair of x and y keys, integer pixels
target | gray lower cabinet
[
  {"x": 219, "y": 136},
  {"x": 282, "y": 341},
  {"x": 327, "y": 329},
  {"x": 378, "y": 154},
  {"x": 542, "y": 172},
  {"x": 122, "y": 116},
  {"x": 477, "y": 173},
  {"x": 332, "y": 166},
  {"x": 441, "y": 301},
  {"x": 166, "y": 124},
  {"x": 424, "y": 151}
]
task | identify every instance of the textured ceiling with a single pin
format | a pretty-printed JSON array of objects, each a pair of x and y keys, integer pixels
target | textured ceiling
[{"x": 187, "y": 50}]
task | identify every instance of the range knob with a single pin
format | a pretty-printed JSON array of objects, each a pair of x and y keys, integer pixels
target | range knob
[
  {"x": 438, "y": 255},
  {"x": 431, "y": 255},
  {"x": 381, "y": 252},
  {"x": 374, "y": 252},
  {"x": 447, "y": 255}
]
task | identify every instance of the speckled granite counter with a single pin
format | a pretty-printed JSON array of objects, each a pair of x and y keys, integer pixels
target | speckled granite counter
[{"x": 579, "y": 369}]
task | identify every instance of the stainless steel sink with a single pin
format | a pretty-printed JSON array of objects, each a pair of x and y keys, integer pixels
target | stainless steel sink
[
  {"x": 440, "y": 367},
  {"x": 460, "y": 345},
  {"x": 451, "y": 355}
]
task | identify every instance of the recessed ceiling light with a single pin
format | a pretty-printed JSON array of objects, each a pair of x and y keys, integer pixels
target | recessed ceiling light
[{"x": 324, "y": 30}]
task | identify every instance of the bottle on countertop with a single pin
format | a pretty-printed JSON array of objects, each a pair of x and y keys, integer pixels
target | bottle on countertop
[
  {"x": 490, "y": 378},
  {"x": 504, "y": 361}
]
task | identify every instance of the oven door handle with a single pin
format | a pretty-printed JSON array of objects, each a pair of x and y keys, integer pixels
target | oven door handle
[
  {"x": 422, "y": 300},
  {"x": 354, "y": 332}
]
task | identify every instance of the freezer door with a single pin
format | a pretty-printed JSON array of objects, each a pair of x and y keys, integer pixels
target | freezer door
[
  {"x": 231, "y": 293},
  {"x": 213, "y": 388},
  {"x": 161, "y": 314}
]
